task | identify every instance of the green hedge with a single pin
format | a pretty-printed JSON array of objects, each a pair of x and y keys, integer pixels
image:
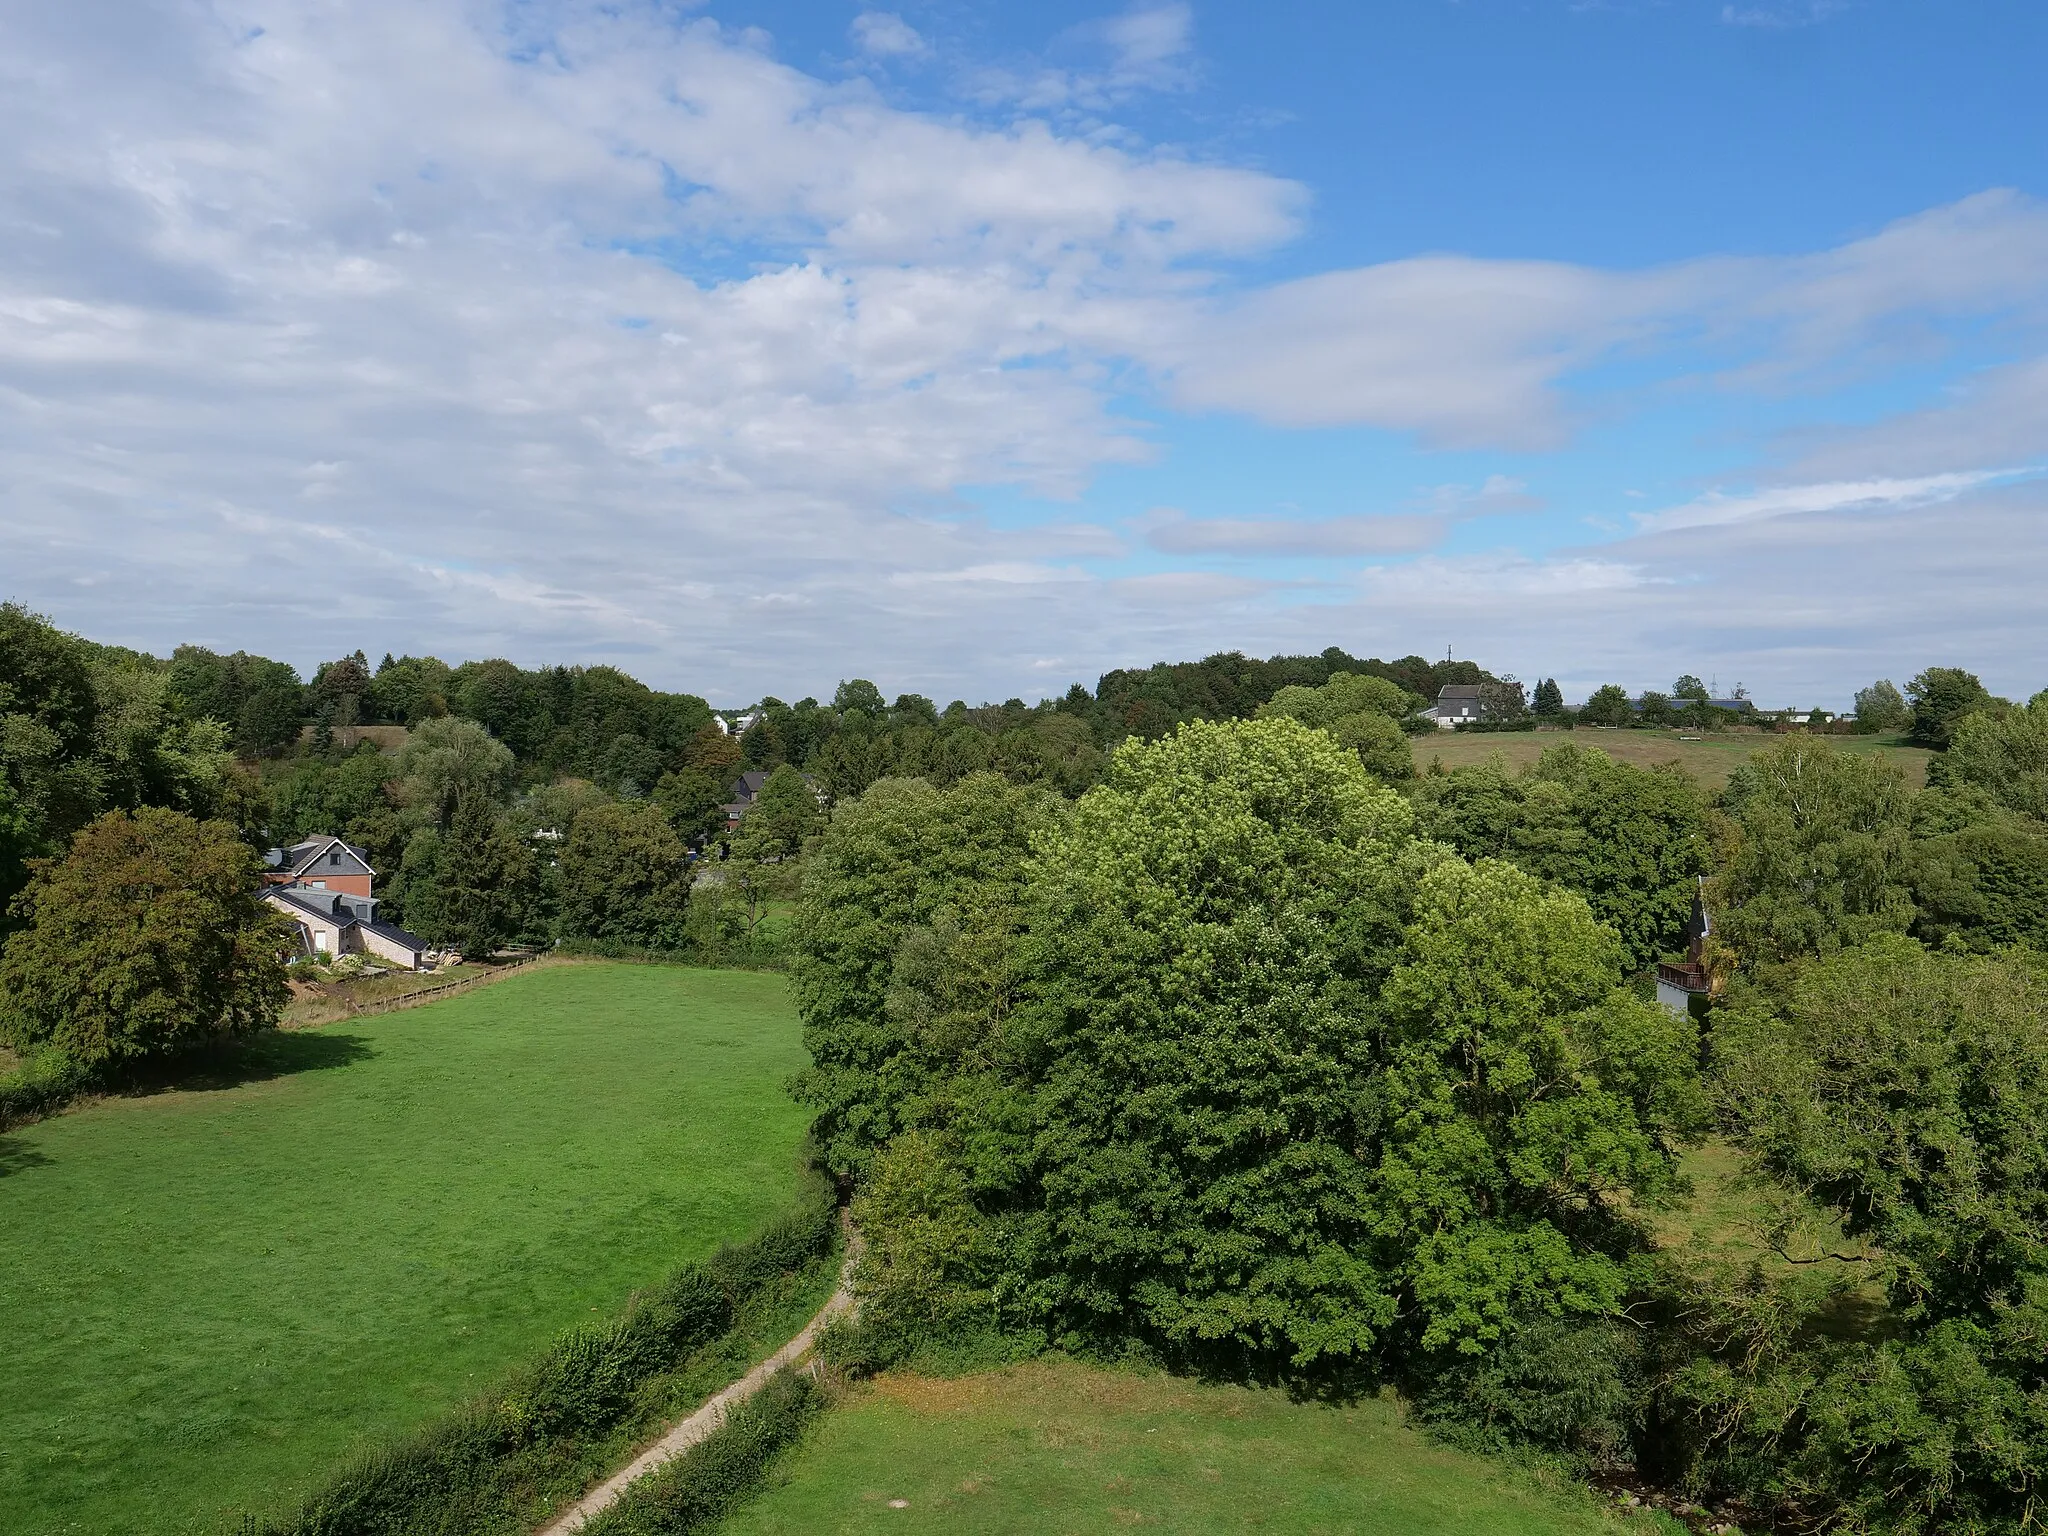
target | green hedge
[
  {"x": 719, "y": 1472},
  {"x": 44, "y": 1083},
  {"x": 480, "y": 1469}
]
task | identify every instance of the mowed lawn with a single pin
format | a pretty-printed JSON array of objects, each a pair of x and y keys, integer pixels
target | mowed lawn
[
  {"x": 1710, "y": 756},
  {"x": 209, "y": 1296},
  {"x": 1060, "y": 1447}
]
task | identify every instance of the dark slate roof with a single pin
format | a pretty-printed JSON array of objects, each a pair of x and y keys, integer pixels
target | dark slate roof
[
  {"x": 396, "y": 934},
  {"x": 1452, "y": 691},
  {"x": 311, "y": 902}
]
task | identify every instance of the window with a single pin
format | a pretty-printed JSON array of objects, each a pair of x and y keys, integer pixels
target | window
[{"x": 334, "y": 855}]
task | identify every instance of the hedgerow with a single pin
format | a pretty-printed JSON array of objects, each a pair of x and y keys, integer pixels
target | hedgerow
[
  {"x": 720, "y": 1471},
  {"x": 484, "y": 1467}
]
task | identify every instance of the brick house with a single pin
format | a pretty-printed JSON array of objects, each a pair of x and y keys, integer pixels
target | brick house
[{"x": 326, "y": 887}]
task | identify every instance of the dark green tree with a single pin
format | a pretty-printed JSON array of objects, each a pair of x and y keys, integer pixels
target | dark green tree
[
  {"x": 1608, "y": 705},
  {"x": 1549, "y": 699},
  {"x": 624, "y": 878},
  {"x": 474, "y": 896},
  {"x": 149, "y": 935},
  {"x": 902, "y": 971},
  {"x": 2003, "y": 754},
  {"x": 1305, "y": 1085},
  {"x": 1941, "y": 696},
  {"x": 1821, "y": 863},
  {"x": 1907, "y": 1092},
  {"x": 784, "y": 814},
  {"x": 1631, "y": 841}
]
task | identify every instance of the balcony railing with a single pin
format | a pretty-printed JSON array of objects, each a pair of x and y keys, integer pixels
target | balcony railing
[{"x": 1687, "y": 977}]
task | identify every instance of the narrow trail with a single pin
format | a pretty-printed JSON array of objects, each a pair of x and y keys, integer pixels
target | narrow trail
[{"x": 699, "y": 1425}]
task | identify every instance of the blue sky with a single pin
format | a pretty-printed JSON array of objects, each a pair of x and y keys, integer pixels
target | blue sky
[{"x": 978, "y": 348}]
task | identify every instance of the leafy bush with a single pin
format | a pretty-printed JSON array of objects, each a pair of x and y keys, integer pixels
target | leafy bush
[{"x": 45, "y": 1081}]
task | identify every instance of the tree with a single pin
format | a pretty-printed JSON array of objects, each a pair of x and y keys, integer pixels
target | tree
[
  {"x": 1361, "y": 712},
  {"x": 694, "y": 802},
  {"x": 902, "y": 972},
  {"x": 1631, "y": 841},
  {"x": 1305, "y": 1085},
  {"x": 1689, "y": 689},
  {"x": 1881, "y": 707},
  {"x": 447, "y": 760},
  {"x": 1907, "y": 1093},
  {"x": 1608, "y": 706},
  {"x": 149, "y": 935},
  {"x": 1941, "y": 696},
  {"x": 2004, "y": 754},
  {"x": 1549, "y": 699},
  {"x": 1653, "y": 709},
  {"x": 625, "y": 878},
  {"x": 466, "y": 887},
  {"x": 862, "y": 695},
  {"x": 1822, "y": 862},
  {"x": 784, "y": 814}
]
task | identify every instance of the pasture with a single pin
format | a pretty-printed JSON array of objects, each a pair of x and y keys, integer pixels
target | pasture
[
  {"x": 1058, "y": 1446},
  {"x": 1710, "y": 756},
  {"x": 214, "y": 1293}
]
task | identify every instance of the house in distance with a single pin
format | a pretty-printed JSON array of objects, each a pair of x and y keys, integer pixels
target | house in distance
[{"x": 326, "y": 887}]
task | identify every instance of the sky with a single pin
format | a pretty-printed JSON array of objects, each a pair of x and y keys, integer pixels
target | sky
[{"x": 979, "y": 348}]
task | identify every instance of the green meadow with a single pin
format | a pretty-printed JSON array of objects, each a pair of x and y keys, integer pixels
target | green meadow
[
  {"x": 213, "y": 1294},
  {"x": 1057, "y": 1447}
]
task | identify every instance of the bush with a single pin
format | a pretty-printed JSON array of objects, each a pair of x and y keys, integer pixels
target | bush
[
  {"x": 45, "y": 1081},
  {"x": 473, "y": 1470},
  {"x": 715, "y": 1475}
]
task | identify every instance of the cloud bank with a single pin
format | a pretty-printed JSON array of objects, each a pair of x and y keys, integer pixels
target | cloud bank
[{"x": 594, "y": 333}]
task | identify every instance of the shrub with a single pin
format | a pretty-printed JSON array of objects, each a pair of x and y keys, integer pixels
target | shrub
[{"x": 714, "y": 1475}]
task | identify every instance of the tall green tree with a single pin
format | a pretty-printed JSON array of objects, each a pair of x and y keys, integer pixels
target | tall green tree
[
  {"x": 149, "y": 935},
  {"x": 466, "y": 886},
  {"x": 1305, "y": 1084},
  {"x": 1631, "y": 841},
  {"x": 1881, "y": 707},
  {"x": 1821, "y": 863},
  {"x": 784, "y": 814},
  {"x": 1941, "y": 696},
  {"x": 1608, "y": 705},
  {"x": 445, "y": 761},
  {"x": 624, "y": 877},
  {"x": 2004, "y": 754},
  {"x": 1363, "y": 713},
  {"x": 902, "y": 971},
  {"x": 1907, "y": 1092}
]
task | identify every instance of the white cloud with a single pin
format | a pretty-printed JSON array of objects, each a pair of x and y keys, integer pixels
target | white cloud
[
  {"x": 1717, "y": 509},
  {"x": 573, "y": 334},
  {"x": 1787, "y": 13},
  {"x": 1470, "y": 353},
  {"x": 885, "y": 35}
]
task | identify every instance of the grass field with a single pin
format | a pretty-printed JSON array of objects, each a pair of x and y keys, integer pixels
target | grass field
[
  {"x": 1709, "y": 756},
  {"x": 209, "y": 1295},
  {"x": 1059, "y": 1447}
]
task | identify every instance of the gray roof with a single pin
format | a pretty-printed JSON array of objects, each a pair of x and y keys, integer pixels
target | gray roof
[
  {"x": 396, "y": 934},
  {"x": 1455, "y": 691}
]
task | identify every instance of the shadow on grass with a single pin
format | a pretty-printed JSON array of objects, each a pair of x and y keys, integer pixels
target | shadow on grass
[
  {"x": 17, "y": 1159},
  {"x": 274, "y": 1054}
]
